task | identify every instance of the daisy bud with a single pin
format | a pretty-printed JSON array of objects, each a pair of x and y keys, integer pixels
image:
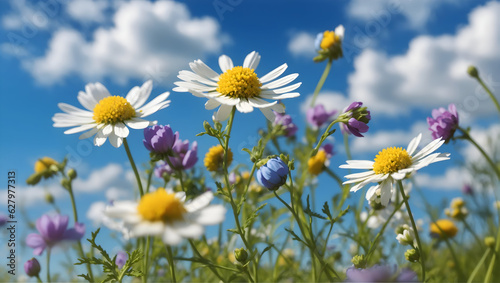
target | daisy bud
[
  {"x": 359, "y": 261},
  {"x": 34, "y": 179},
  {"x": 32, "y": 267},
  {"x": 72, "y": 173},
  {"x": 273, "y": 174},
  {"x": 489, "y": 242},
  {"x": 412, "y": 255},
  {"x": 406, "y": 238},
  {"x": 328, "y": 44},
  {"x": 49, "y": 198},
  {"x": 241, "y": 255},
  {"x": 473, "y": 72}
]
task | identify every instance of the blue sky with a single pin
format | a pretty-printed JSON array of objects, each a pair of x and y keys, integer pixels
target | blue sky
[{"x": 402, "y": 59}]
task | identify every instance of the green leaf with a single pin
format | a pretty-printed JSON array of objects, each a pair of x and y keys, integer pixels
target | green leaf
[
  {"x": 234, "y": 231},
  {"x": 265, "y": 250},
  {"x": 311, "y": 213},
  {"x": 326, "y": 210},
  {"x": 252, "y": 217},
  {"x": 295, "y": 237}
]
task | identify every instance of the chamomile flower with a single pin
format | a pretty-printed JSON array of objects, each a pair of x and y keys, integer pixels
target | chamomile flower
[
  {"x": 108, "y": 116},
  {"x": 238, "y": 87},
  {"x": 390, "y": 165},
  {"x": 167, "y": 214}
]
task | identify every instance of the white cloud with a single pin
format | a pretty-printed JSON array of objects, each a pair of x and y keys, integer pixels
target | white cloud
[
  {"x": 416, "y": 12},
  {"x": 432, "y": 73},
  {"x": 302, "y": 44},
  {"x": 331, "y": 100},
  {"x": 454, "y": 178},
  {"x": 100, "y": 179},
  {"x": 146, "y": 41},
  {"x": 26, "y": 196},
  {"x": 25, "y": 15},
  {"x": 87, "y": 11}
]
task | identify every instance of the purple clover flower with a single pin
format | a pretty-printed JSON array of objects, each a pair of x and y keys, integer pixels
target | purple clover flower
[
  {"x": 159, "y": 139},
  {"x": 273, "y": 174},
  {"x": 317, "y": 115},
  {"x": 182, "y": 157},
  {"x": 380, "y": 273},
  {"x": 121, "y": 259},
  {"x": 52, "y": 230},
  {"x": 357, "y": 119},
  {"x": 286, "y": 122},
  {"x": 468, "y": 190},
  {"x": 443, "y": 122},
  {"x": 32, "y": 267},
  {"x": 3, "y": 219}
]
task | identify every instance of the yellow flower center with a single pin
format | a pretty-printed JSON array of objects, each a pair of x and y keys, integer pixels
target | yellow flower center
[
  {"x": 113, "y": 109},
  {"x": 316, "y": 163},
  {"x": 43, "y": 164},
  {"x": 161, "y": 206},
  {"x": 214, "y": 159},
  {"x": 444, "y": 228},
  {"x": 391, "y": 160},
  {"x": 329, "y": 39},
  {"x": 239, "y": 82}
]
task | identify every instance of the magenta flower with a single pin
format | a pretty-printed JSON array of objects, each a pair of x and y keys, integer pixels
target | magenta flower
[
  {"x": 317, "y": 115},
  {"x": 182, "y": 157},
  {"x": 286, "y": 122},
  {"x": 159, "y": 139},
  {"x": 52, "y": 230},
  {"x": 355, "y": 119},
  {"x": 443, "y": 122},
  {"x": 32, "y": 267}
]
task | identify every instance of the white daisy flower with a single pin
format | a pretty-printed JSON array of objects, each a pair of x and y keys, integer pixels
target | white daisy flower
[
  {"x": 109, "y": 116},
  {"x": 238, "y": 86},
  {"x": 390, "y": 165},
  {"x": 166, "y": 213}
]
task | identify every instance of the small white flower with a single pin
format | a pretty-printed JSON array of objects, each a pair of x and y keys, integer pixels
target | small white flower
[
  {"x": 392, "y": 164},
  {"x": 407, "y": 238},
  {"x": 238, "y": 86},
  {"x": 109, "y": 116},
  {"x": 166, "y": 213}
]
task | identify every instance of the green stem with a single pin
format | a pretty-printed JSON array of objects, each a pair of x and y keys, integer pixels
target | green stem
[
  {"x": 321, "y": 82},
  {"x": 48, "y": 265},
  {"x": 211, "y": 266},
  {"x": 334, "y": 176},
  {"x": 453, "y": 254},
  {"x": 170, "y": 259},
  {"x": 38, "y": 279},
  {"x": 414, "y": 226},
  {"x": 132, "y": 163},
  {"x": 489, "y": 92},
  {"x": 346, "y": 145},
  {"x": 150, "y": 175},
  {"x": 488, "y": 159},
  {"x": 467, "y": 227},
  {"x": 146, "y": 257},
  {"x": 489, "y": 273},
  {"x": 478, "y": 266}
]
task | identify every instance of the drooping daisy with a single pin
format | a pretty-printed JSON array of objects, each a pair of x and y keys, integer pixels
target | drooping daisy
[
  {"x": 238, "y": 86},
  {"x": 166, "y": 213},
  {"x": 109, "y": 116},
  {"x": 390, "y": 165}
]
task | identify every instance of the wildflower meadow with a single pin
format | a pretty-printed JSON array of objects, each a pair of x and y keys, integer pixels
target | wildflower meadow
[{"x": 249, "y": 188}]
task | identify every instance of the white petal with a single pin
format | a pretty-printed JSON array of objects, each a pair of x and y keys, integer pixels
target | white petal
[
  {"x": 170, "y": 236},
  {"x": 211, "y": 215},
  {"x": 150, "y": 109},
  {"x": 137, "y": 123},
  {"x": 371, "y": 191},
  {"x": 107, "y": 130},
  {"x": 398, "y": 175},
  {"x": 188, "y": 230},
  {"x": 273, "y": 74},
  {"x": 194, "y": 86},
  {"x": 412, "y": 146},
  {"x": 120, "y": 208},
  {"x": 121, "y": 130},
  {"x": 252, "y": 60},
  {"x": 211, "y": 104},
  {"x": 261, "y": 103},
  {"x": 97, "y": 91},
  {"x": 203, "y": 70},
  {"x": 268, "y": 113},
  {"x": 358, "y": 164},
  {"x": 226, "y": 100},
  {"x": 431, "y": 147},
  {"x": 72, "y": 110},
  {"x": 225, "y": 63},
  {"x": 143, "y": 94},
  {"x": 80, "y": 129},
  {"x": 88, "y": 134},
  {"x": 87, "y": 100},
  {"x": 280, "y": 82},
  {"x": 115, "y": 140},
  {"x": 244, "y": 107},
  {"x": 278, "y": 107},
  {"x": 339, "y": 31},
  {"x": 385, "y": 192},
  {"x": 199, "y": 202},
  {"x": 190, "y": 76},
  {"x": 146, "y": 228},
  {"x": 223, "y": 113},
  {"x": 360, "y": 175},
  {"x": 273, "y": 92},
  {"x": 100, "y": 138}
]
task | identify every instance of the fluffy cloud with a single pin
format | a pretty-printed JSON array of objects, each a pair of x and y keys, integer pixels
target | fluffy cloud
[
  {"x": 331, "y": 101},
  {"x": 432, "y": 72},
  {"x": 101, "y": 179},
  {"x": 302, "y": 44},
  {"x": 26, "y": 15},
  {"x": 146, "y": 41},
  {"x": 87, "y": 11},
  {"x": 416, "y": 12},
  {"x": 453, "y": 178}
]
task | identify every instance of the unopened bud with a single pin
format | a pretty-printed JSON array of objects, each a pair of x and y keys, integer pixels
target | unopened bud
[
  {"x": 34, "y": 179},
  {"x": 359, "y": 261},
  {"x": 473, "y": 72},
  {"x": 241, "y": 255},
  {"x": 49, "y": 198},
  {"x": 412, "y": 255},
  {"x": 72, "y": 173},
  {"x": 66, "y": 183},
  {"x": 489, "y": 242}
]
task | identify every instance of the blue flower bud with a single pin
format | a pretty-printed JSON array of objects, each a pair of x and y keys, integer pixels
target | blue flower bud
[{"x": 273, "y": 174}]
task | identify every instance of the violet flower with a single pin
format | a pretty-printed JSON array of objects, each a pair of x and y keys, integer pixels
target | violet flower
[
  {"x": 355, "y": 119},
  {"x": 273, "y": 174},
  {"x": 286, "y": 122},
  {"x": 443, "y": 122},
  {"x": 317, "y": 115},
  {"x": 468, "y": 190},
  {"x": 380, "y": 273},
  {"x": 3, "y": 219},
  {"x": 53, "y": 230},
  {"x": 32, "y": 267},
  {"x": 159, "y": 139},
  {"x": 121, "y": 259},
  {"x": 182, "y": 157}
]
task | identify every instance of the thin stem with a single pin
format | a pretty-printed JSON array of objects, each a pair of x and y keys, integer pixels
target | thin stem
[
  {"x": 321, "y": 81},
  {"x": 489, "y": 273},
  {"x": 132, "y": 163},
  {"x": 467, "y": 227},
  {"x": 414, "y": 226},
  {"x": 170, "y": 259},
  {"x": 489, "y": 92},
  {"x": 478, "y": 266},
  {"x": 486, "y": 156},
  {"x": 48, "y": 265},
  {"x": 334, "y": 176},
  {"x": 150, "y": 175},
  {"x": 346, "y": 145},
  {"x": 210, "y": 265},
  {"x": 146, "y": 257},
  {"x": 179, "y": 173},
  {"x": 38, "y": 278}
]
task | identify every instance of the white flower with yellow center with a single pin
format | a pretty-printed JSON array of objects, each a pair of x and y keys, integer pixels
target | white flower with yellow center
[
  {"x": 109, "y": 116},
  {"x": 238, "y": 86},
  {"x": 166, "y": 214},
  {"x": 390, "y": 165}
]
